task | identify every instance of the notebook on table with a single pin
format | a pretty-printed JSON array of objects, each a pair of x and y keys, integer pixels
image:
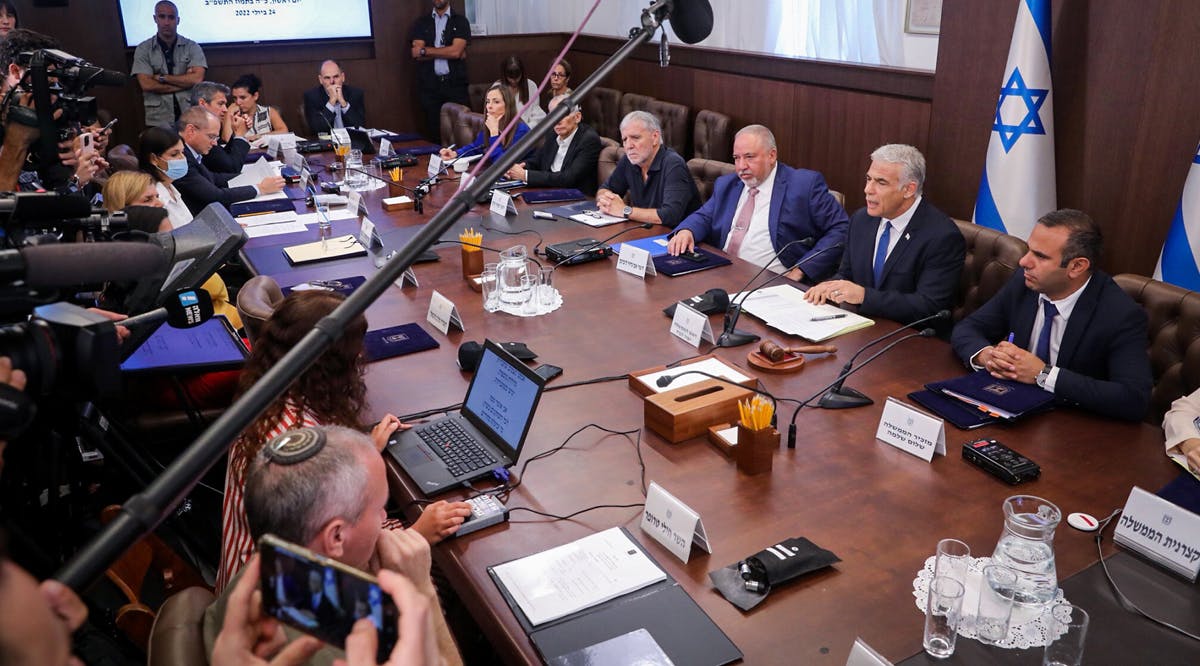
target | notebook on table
[
  {"x": 552, "y": 196},
  {"x": 332, "y": 248},
  {"x": 680, "y": 265},
  {"x": 486, "y": 434}
]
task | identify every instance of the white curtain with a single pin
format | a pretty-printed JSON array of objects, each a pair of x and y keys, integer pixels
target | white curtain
[{"x": 860, "y": 31}]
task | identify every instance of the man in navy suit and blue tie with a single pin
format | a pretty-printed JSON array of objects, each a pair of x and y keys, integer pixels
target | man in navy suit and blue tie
[
  {"x": 755, "y": 213},
  {"x": 903, "y": 257},
  {"x": 1064, "y": 325}
]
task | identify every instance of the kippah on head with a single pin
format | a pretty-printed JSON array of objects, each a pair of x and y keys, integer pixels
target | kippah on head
[{"x": 294, "y": 446}]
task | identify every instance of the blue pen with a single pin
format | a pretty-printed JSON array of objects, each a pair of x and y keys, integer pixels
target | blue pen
[{"x": 1010, "y": 337}]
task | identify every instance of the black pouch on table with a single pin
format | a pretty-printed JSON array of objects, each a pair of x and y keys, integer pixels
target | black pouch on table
[{"x": 773, "y": 566}]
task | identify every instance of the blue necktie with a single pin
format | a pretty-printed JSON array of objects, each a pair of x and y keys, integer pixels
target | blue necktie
[
  {"x": 881, "y": 252},
  {"x": 1043, "y": 343}
]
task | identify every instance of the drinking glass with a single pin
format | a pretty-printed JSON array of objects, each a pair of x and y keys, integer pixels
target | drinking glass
[
  {"x": 952, "y": 559},
  {"x": 546, "y": 290},
  {"x": 355, "y": 178},
  {"x": 529, "y": 287},
  {"x": 996, "y": 592},
  {"x": 1068, "y": 628},
  {"x": 487, "y": 284},
  {"x": 943, "y": 608}
]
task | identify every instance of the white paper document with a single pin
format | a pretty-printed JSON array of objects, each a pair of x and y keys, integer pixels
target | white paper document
[
  {"x": 333, "y": 214},
  {"x": 253, "y": 174},
  {"x": 270, "y": 224},
  {"x": 712, "y": 366},
  {"x": 578, "y": 575},
  {"x": 594, "y": 218},
  {"x": 783, "y": 307}
]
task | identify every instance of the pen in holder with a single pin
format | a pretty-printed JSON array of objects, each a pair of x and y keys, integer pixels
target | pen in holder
[
  {"x": 472, "y": 254},
  {"x": 757, "y": 440}
]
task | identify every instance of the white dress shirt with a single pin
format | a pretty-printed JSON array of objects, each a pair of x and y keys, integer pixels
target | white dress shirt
[
  {"x": 177, "y": 211},
  {"x": 756, "y": 246},
  {"x": 563, "y": 146},
  {"x": 1057, "y": 327}
]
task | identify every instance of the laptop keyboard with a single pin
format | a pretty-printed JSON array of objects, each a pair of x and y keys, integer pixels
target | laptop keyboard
[{"x": 457, "y": 448}]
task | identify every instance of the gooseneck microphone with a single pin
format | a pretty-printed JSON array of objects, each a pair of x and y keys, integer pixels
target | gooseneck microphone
[
  {"x": 838, "y": 397},
  {"x": 926, "y": 333},
  {"x": 599, "y": 243}
]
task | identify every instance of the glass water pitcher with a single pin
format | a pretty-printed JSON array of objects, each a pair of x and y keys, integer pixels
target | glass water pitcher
[{"x": 1027, "y": 547}]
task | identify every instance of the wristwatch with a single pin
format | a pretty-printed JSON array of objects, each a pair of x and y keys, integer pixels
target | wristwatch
[
  {"x": 1042, "y": 376},
  {"x": 422, "y": 51},
  {"x": 628, "y": 211},
  {"x": 162, "y": 79}
]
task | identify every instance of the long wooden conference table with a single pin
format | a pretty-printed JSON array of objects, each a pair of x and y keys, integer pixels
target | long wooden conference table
[{"x": 880, "y": 510}]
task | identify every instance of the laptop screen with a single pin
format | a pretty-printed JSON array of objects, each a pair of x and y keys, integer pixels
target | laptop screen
[{"x": 503, "y": 396}]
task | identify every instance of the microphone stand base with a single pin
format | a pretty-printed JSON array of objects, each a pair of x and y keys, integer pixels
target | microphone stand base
[
  {"x": 844, "y": 399},
  {"x": 736, "y": 338}
]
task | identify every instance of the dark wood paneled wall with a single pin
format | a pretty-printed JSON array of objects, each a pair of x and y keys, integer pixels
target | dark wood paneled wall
[{"x": 1125, "y": 103}]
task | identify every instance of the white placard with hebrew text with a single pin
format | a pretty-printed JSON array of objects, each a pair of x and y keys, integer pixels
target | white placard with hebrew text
[
  {"x": 435, "y": 165},
  {"x": 1163, "y": 532},
  {"x": 635, "y": 261},
  {"x": 502, "y": 203},
  {"x": 407, "y": 277},
  {"x": 691, "y": 325},
  {"x": 911, "y": 431},
  {"x": 442, "y": 314},
  {"x": 672, "y": 523}
]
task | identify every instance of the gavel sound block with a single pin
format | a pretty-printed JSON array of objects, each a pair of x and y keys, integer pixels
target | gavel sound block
[
  {"x": 771, "y": 357},
  {"x": 686, "y": 412}
]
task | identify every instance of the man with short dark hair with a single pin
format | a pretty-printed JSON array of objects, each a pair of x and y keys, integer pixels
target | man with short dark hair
[
  {"x": 167, "y": 66},
  {"x": 229, "y": 155},
  {"x": 325, "y": 489},
  {"x": 200, "y": 129},
  {"x": 567, "y": 159},
  {"x": 656, "y": 178},
  {"x": 903, "y": 256},
  {"x": 334, "y": 104},
  {"x": 1064, "y": 325},
  {"x": 439, "y": 45},
  {"x": 763, "y": 208}
]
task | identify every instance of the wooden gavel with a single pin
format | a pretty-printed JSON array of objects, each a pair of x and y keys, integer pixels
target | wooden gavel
[{"x": 776, "y": 353}]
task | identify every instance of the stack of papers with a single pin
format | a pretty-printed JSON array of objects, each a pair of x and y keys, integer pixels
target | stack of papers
[
  {"x": 783, "y": 307},
  {"x": 558, "y": 582},
  {"x": 270, "y": 224},
  {"x": 253, "y": 174}
]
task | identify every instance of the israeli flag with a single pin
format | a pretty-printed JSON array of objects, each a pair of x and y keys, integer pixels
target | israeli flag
[
  {"x": 1018, "y": 179},
  {"x": 1180, "y": 258}
]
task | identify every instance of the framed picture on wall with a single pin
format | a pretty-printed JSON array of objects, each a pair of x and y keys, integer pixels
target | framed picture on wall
[{"x": 924, "y": 17}]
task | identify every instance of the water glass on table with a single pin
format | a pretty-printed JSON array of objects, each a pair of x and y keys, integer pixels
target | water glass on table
[
  {"x": 943, "y": 609},
  {"x": 997, "y": 590},
  {"x": 1068, "y": 628},
  {"x": 953, "y": 558},
  {"x": 529, "y": 287},
  {"x": 546, "y": 289},
  {"x": 487, "y": 287}
]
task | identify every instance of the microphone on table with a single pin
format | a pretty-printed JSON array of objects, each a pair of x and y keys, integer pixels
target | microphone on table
[
  {"x": 838, "y": 397},
  {"x": 600, "y": 243},
  {"x": 730, "y": 336},
  {"x": 926, "y": 333},
  {"x": 187, "y": 308},
  {"x": 665, "y": 381}
]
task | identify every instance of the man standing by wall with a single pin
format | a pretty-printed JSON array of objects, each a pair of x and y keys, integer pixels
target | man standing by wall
[
  {"x": 167, "y": 66},
  {"x": 439, "y": 45}
]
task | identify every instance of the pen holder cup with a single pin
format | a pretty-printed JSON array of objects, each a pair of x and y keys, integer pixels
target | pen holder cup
[
  {"x": 472, "y": 262},
  {"x": 756, "y": 449},
  {"x": 395, "y": 189}
]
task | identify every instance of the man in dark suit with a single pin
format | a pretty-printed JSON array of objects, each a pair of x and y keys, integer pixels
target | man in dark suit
[
  {"x": 755, "y": 213},
  {"x": 1063, "y": 325},
  {"x": 229, "y": 155},
  {"x": 200, "y": 130},
  {"x": 333, "y": 104},
  {"x": 903, "y": 257},
  {"x": 568, "y": 159}
]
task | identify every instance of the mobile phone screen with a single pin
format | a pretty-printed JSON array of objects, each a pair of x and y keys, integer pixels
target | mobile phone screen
[{"x": 323, "y": 598}]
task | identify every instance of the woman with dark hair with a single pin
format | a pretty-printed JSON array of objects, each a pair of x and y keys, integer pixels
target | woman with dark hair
[
  {"x": 8, "y": 19},
  {"x": 160, "y": 154},
  {"x": 499, "y": 111},
  {"x": 261, "y": 119},
  {"x": 330, "y": 392},
  {"x": 512, "y": 77},
  {"x": 560, "y": 79}
]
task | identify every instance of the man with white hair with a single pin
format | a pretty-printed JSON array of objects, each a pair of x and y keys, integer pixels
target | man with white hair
[
  {"x": 903, "y": 256},
  {"x": 656, "y": 178}
]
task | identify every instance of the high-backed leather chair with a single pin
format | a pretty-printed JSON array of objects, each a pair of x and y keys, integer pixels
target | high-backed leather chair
[
  {"x": 674, "y": 120},
  {"x": 609, "y": 156},
  {"x": 602, "y": 110},
  {"x": 449, "y": 119},
  {"x": 256, "y": 300},
  {"x": 177, "y": 637},
  {"x": 632, "y": 102},
  {"x": 706, "y": 173},
  {"x": 841, "y": 198},
  {"x": 1174, "y": 340},
  {"x": 712, "y": 137},
  {"x": 475, "y": 94},
  {"x": 991, "y": 259},
  {"x": 467, "y": 126}
]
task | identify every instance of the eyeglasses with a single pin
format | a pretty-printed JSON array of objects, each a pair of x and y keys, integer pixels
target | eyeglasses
[{"x": 556, "y": 75}]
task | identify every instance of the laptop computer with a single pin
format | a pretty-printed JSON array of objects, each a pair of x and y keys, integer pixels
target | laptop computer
[{"x": 486, "y": 434}]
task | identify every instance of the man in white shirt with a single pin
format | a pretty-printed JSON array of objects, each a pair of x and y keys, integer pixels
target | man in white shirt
[
  {"x": 568, "y": 159},
  {"x": 763, "y": 211}
]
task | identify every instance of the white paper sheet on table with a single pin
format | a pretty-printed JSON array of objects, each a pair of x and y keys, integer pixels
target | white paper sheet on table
[
  {"x": 254, "y": 173},
  {"x": 597, "y": 219},
  {"x": 334, "y": 214},
  {"x": 783, "y": 307},
  {"x": 557, "y": 582},
  {"x": 712, "y": 366}
]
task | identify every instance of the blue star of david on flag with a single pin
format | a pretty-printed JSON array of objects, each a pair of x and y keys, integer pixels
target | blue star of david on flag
[{"x": 1033, "y": 99}]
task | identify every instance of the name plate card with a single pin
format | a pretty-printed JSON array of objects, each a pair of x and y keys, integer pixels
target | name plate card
[
  {"x": 1165, "y": 533},
  {"x": 408, "y": 277},
  {"x": 366, "y": 233},
  {"x": 691, "y": 325},
  {"x": 502, "y": 203},
  {"x": 673, "y": 523},
  {"x": 442, "y": 314},
  {"x": 385, "y": 148},
  {"x": 911, "y": 431},
  {"x": 435, "y": 165},
  {"x": 635, "y": 261},
  {"x": 354, "y": 203},
  {"x": 341, "y": 135}
]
